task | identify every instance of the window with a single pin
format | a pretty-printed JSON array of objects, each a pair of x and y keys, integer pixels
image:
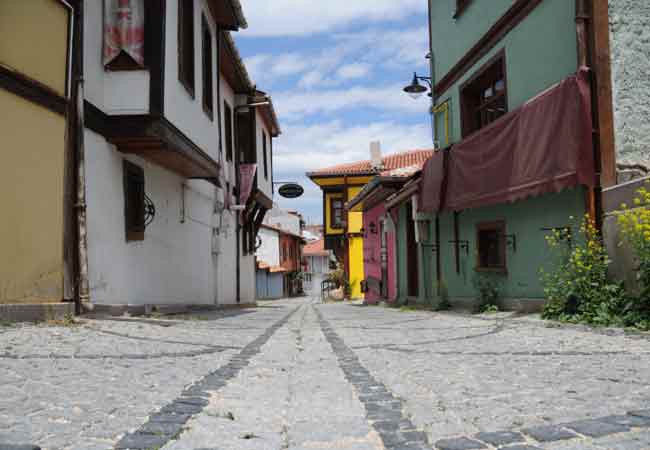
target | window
[
  {"x": 208, "y": 104},
  {"x": 266, "y": 164},
  {"x": 491, "y": 242},
  {"x": 134, "y": 203},
  {"x": 186, "y": 44},
  {"x": 336, "y": 213},
  {"x": 227, "y": 111},
  {"x": 484, "y": 97},
  {"x": 461, "y": 6},
  {"x": 124, "y": 35}
]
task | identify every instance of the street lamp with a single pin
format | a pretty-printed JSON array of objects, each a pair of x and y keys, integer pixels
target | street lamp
[{"x": 415, "y": 89}]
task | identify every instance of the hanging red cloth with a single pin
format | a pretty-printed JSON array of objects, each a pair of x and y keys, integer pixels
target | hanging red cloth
[
  {"x": 124, "y": 30},
  {"x": 544, "y": 146}
]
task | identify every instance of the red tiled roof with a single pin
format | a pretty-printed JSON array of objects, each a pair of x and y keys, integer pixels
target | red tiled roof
[
  {"x": 316, "y": 248},
  {"x": 413, "y": 158}
]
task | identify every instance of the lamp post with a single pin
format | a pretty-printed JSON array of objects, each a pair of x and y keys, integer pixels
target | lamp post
[{"x": 415, "y": 89}]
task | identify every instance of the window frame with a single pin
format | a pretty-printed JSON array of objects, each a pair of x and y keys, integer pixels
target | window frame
[
  {"x": 228, "y": 129},
  {"x": 124, "y": 62},
  {"x": 134, "y": 201},
  {"x": 333, "y": 225},
  {"x": 468, "y": 111},
  {"x": 207, "y": 68},
  {"x": 461, "y": 6},
  {"x": 264, "y": 154},
  {"x": 500, "y": 227},
  {"x": 186, "y": 47}
]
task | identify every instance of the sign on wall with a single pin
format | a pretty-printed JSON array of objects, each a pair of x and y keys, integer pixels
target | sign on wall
[{"x": 291, "y": 190}]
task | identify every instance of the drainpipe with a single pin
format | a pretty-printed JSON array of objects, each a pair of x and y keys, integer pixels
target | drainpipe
[
  {"x": 221, "y": 161},
  {"x": 82, "y": 297},
  {"x": 585, "y": 35}
]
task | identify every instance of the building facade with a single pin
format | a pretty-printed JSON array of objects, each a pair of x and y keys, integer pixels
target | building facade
[
  {"x": 518, "y": 88},
  {"x": 162, "y": 172},
  {"x": 39, "y": 93},
  {"x": 343, "y": 229},
  {"x": 317, "y": 264}
]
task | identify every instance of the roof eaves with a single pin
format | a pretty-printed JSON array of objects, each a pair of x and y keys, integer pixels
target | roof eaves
[{"x": 239, "y": 13}]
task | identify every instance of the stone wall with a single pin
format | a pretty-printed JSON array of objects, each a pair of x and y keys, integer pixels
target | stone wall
[{"x": 630, "y": 51}]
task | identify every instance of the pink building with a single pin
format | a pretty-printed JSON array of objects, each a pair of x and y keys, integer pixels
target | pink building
[{"x": 379, "y": 248}]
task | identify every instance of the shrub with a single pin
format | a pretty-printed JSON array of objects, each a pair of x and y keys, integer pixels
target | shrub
[
  {"x": 635, "y": 227},
  {"x": 488, "y": 293},
  {"x": 577, "y": 289}
]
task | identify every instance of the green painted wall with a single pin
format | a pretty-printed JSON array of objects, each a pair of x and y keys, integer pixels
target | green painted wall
[
  {"x": 402, "y": 277},
  {"x": 525, "y": 220},
  {"x": 452, "y": 38},
  {"x": 540, "y": 51}
]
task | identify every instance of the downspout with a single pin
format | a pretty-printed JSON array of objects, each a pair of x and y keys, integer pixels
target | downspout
[
  {"x": 584, "y": 34},
  {"x": 221, "y": 160},
  {"x": 83, "y": 294}
]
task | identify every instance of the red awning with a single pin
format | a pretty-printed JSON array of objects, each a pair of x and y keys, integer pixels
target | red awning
[
  {"x": 432, "y": 182},
  {"x": 543, "y": 146}
]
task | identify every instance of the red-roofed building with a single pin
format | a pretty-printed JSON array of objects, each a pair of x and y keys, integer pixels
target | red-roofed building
[
  {"x": 316, "y": 266},
  {"x": 343, "y": 230}
]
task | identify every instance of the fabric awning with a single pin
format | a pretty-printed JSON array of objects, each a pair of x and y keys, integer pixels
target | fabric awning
[{"x": 544, "y": 146}]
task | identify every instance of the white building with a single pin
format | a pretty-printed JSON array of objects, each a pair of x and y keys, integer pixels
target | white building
[
  {"x": 168, "y": 127},
  {"x": 317, "y": 262}
]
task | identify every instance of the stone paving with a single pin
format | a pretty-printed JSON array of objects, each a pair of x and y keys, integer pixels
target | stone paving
[{"x": 296, "y": 374}]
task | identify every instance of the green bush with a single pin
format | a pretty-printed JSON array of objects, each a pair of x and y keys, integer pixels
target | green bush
[
  {"x": 578, "y": 289},
  {"x": 487, "y": 293}
]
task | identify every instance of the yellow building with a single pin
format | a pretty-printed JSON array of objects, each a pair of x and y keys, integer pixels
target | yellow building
[
  {"x": 343, "y": 229},
  {"x": 36, "y": 61}
]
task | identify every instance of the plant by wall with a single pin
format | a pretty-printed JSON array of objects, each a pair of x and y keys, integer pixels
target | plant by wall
[
  {"x": 634, "y": 223},
  {"x": 577, "y": 288},
  {"x": 487, "y": 289}
]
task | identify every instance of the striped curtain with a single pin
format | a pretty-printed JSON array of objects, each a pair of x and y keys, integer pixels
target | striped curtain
[{"x": 123, "y": 29}]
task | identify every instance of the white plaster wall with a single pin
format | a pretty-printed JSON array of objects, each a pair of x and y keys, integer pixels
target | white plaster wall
[
  {"x": 227, "y": 265},
  {"x": 248, "y": 286},
  {"x": 112, "y": 92},
  {"x": 269, "y": 250},
  {"x": 228, "y": 95},
  {"x": 630, "y": 51},
  {"x": 264, "y": 184},
  {"x": 174, "y": 264},
  {"x": 185, "y": 112},
  {"x": 282, "y": 219}
]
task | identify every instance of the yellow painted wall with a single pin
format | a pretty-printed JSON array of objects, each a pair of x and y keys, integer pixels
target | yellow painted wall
[
  {"x": 340, "y": 181},
  {"x": 34, "y": 40},
  {"x": 356, "y": 266},
  {"x": 31, "y": 197},
  {"x": 355, "y": 219},
  {"x": 328, "y": 214}
]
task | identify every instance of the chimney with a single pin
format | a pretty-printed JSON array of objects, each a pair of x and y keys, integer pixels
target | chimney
[{"x": 375, "y": 156}]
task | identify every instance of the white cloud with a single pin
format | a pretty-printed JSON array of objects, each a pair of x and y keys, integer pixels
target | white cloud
[
  {"x": 293, "y": 106},
  {"x": 307, "y": 147},
  {"x": 353, "y": 71},
  {"x": 349, "y": 56},
  {"x": 305, "y": 17},
  {"x": 304, "y": 148}
]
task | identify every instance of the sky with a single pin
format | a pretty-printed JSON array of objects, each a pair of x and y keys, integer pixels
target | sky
[{"x": 335, "y": 70}]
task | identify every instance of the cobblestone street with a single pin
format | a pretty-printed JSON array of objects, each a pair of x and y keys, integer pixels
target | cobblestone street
[{"x": 294, "y": 374}]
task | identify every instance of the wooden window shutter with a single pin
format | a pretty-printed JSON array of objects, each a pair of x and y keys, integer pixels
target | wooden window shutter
[{"x": 134, "y": 202}]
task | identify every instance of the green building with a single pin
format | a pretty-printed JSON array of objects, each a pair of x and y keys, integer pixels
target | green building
[{"x": 522, "y": 108}]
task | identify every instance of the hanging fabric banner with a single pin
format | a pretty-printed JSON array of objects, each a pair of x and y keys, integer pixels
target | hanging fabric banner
[
  {"x": 246, "y": 178},
  {"x": 124, "y": 29}
]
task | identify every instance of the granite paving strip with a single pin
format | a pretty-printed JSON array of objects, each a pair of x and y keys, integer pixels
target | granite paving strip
[
  {"x": 622, "y": 432},
  {"x": 384, "y": 409},
  {"x": 292, "y": 396},
  {"x": 167, "y": 423}
]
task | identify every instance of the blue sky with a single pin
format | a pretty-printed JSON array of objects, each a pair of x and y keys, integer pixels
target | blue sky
[{"x": 335, "y": 70}]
